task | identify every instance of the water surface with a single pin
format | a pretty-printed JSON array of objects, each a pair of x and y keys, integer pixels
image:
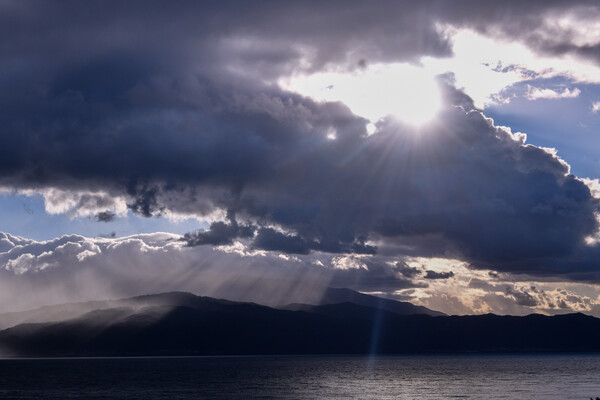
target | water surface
[{"x": 328, "y": 377}]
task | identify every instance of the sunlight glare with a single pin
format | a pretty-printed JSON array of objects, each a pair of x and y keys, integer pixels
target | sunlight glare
[
  {"x": 484, "y": 66},
  {"x": 405, "y": 91}
]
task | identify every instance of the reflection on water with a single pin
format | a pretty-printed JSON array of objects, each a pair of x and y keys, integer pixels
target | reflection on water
[{"x": 336, "y": 377}]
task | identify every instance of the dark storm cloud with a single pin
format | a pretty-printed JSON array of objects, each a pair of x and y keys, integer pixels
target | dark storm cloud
[
  {"x": 105, "y": 216},
  {"x": 266, "y": 35},
  {"x": 492, "y": 198},
  {"x": 270, "y": 239},
  {"x": 406, "y": 270},
  {"x": 166, "y": 105},
  {"x": 220, "y": 233},
  {"x": 532, "y": 23},
  {"x": 438, "y": 275},
  {"x": 483, "y": 284},
  {"x": 373, "y": 275},
  {"x": 522, "y": 297},
  {"x": 144, "y": 202}
]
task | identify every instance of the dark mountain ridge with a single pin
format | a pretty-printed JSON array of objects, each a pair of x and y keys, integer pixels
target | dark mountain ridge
[
  {"x": 185, "y": 324},
  {"x": 61, "y": 312},
  {"x": 342, "y": 295}
]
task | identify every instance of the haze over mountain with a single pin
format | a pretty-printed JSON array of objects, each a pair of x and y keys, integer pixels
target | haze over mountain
[
  {"x": 68, "y": 311},
  {"x": 185, "y": 324}
]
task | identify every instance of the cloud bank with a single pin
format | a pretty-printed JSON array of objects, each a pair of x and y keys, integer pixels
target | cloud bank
[{"x": 76, "y": 268}]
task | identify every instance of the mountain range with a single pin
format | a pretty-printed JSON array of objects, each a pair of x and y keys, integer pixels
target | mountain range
[{"x": 345, "y": 322}]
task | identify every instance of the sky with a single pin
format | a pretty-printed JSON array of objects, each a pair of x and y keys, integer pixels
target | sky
[{"x": 439, "y": 152}]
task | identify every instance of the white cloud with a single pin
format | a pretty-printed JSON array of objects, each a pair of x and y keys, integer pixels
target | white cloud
[
  {"x": 596, "y": 107},
  {"x": 89, "y": 203},
  {"x": 478, "y": 291},
  {"x": 534, "y": 93},
  {"x": 76, "y": 268},
  {"x": 348, "y": 263},
  {"x": 485, "y": 65},
  {"x": 581, "y": 25},
  {"x": 242, "y": 250},
  {"x": 74, "y": 203}
]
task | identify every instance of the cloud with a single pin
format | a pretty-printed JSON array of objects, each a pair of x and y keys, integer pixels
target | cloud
[
  {"x": 265, "y": 155},
  {"x": 105, "y": 216},
  {"x": 184, "y": 118},
  {"x": 595, "y": 107},
  {"x": 558, "y": 28},
  {"x": 370, "y": 274},
  {"x": 270, "y": 239},
  {"x": 406, "y": 270},
  {"x": 522, "y": 297},
  {"x": 77, "y": 268},
  {"x": 220, "y": 233},
  {"x": 534, "y": 93},
  {"x": 473, "y": 292},
  {"x": 541, "y": 297},
  {"x": 74, "y": 203},
  {"x": 438, "y": 275},
  {"x": 553, "y": 301}
]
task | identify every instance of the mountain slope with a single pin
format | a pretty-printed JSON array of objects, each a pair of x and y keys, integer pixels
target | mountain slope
[
  {"x": 341, "y": 295},
  {"x": 62, "y": 312},
  {"x": 184, "y": 324}
]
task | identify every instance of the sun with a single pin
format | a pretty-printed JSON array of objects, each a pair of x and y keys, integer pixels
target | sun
[{"x": 405, "y": 91}]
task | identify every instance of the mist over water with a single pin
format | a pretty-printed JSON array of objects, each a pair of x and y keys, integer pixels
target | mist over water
[{"x": 562, "y": 376}]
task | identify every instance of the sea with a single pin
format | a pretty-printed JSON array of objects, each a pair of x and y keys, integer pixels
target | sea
[{"x": 522, "y": 376}]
